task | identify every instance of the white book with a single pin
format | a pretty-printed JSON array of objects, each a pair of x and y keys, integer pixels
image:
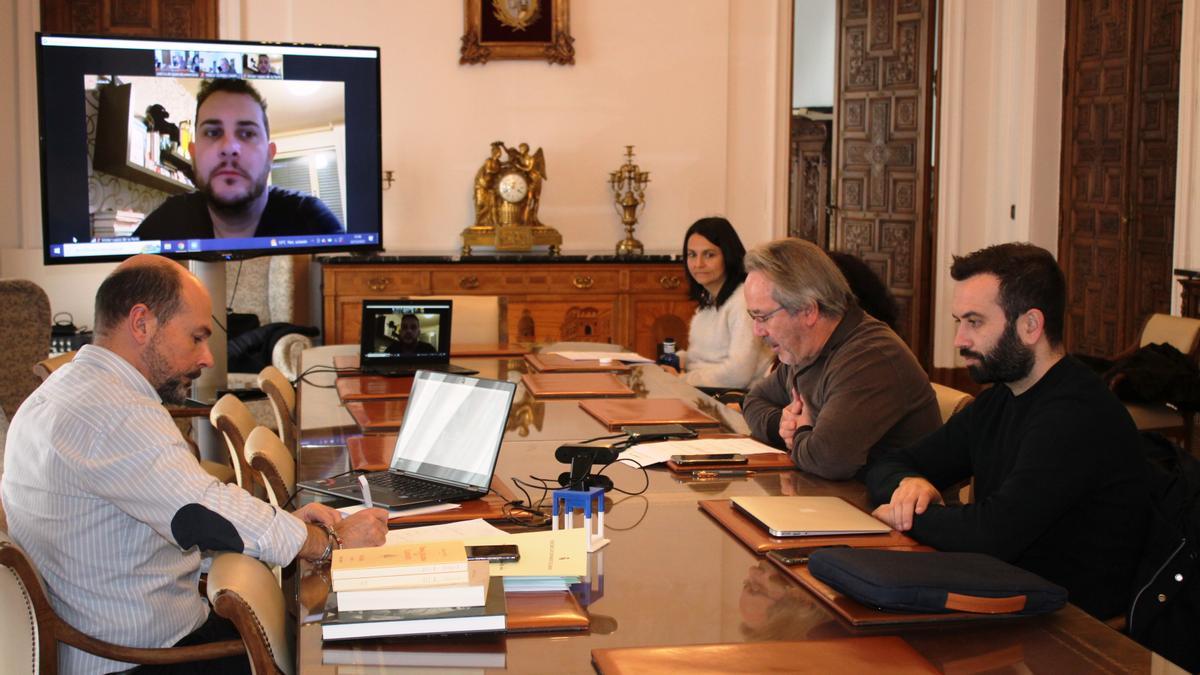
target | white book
[
  {"x": 457, "y": 577},
  {"x": 471, "y": 594}
]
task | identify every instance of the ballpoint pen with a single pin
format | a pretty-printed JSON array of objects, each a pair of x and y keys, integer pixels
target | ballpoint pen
[
  {"x": 721, "y": 473},
  {"x": 366, "y": 492}
]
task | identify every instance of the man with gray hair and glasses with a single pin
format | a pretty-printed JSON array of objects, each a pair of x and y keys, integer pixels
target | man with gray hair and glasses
[{"x": 847, "y": 388}]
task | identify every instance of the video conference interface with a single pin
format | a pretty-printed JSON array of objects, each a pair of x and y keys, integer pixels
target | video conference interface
[{"x": 119, "y": 133}]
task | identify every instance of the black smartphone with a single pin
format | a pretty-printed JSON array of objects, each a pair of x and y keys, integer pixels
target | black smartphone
[
  {"x": 494, "y": 553},
  {"x": 726, "y": 458},
  {"x": 799, "y": 555}
]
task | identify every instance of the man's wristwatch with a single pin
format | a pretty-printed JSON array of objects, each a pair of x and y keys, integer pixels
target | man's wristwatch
[
  {"x": 804, "y": 427},
  {"x": 334, "y": 541}
]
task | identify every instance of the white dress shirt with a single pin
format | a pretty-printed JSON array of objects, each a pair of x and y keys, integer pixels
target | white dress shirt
[{"x": 96, "y": 476}]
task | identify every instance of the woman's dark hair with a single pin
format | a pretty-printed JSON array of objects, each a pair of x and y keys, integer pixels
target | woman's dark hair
[
  {"x": 873, "y": 295},
  {"x": 721, "y": 234}
]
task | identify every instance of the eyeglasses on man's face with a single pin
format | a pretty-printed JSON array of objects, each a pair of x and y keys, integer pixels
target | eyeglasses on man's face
[{"x": 763, "y": 318}]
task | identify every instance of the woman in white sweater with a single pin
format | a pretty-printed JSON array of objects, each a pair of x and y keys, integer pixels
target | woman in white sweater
[{"x": 723, "y": 352}]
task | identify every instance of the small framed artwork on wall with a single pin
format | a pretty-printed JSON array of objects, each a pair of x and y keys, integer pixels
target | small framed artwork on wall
[{"x": 517, "y": 29}]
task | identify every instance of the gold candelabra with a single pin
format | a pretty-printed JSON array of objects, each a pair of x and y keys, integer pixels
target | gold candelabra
[{"x": 628, "y": 184}]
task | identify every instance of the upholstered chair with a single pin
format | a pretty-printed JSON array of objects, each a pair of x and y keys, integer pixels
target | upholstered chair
[
  {"x": 273, "y": 463},
  {"x": 244, "y": 591},
  {"x": 234, "y": 420},
  {"x": 24, "y": 340},
  {"x": 30, "y": 629},
  {"x": 950, "y": 400},
  {"x": 50, "y": 364},
  {"x": 1183, "y": 334},
  {"x": 275, "y": 290},
  {"x": 283, "y": 402}
]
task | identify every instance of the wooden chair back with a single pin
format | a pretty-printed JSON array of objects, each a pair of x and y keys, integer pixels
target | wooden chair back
[
  {"x": 283, "y": 402},
  {"x": 244, "y": 591},
  {"x": 234, "y": 421},
  {"x": 272, "y": 460}
]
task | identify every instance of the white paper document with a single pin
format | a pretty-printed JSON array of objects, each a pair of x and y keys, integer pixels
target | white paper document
[
  {"x": 463, "y": 529},
  {"x": 655, "y": 453},
  {"x": 628, "y": 357}
]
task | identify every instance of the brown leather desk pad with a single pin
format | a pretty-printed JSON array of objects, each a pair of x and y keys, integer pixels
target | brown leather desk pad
[
  {"x": 616, "y": 413},
  {"x": 551, "y": 611},
  {"x": 757, "y": 539},
  {"x": 888, "y": 654},
  {"x": 378, "y": 416},
  {"x": 857, "y": 614},
  {"x": 553, "y": 363},
  {"x": 368, "y": 387},
  {"x": 767, "y": 461},
  {"x": 574, "y": 385}
]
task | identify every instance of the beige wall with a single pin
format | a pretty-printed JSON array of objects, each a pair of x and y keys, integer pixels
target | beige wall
[
  {"x": 673, "y": 80},
  {"x": 1001, "y": 129}
]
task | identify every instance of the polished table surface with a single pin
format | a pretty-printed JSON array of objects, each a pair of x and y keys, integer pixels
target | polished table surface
[{"x": 672, "y": 576}]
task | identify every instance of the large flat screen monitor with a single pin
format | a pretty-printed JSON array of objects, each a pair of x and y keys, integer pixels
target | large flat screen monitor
[{"x": 282, "y": 155}]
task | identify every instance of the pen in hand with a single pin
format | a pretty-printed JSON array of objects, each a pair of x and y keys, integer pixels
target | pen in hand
[{"x": 366, "y": 492}]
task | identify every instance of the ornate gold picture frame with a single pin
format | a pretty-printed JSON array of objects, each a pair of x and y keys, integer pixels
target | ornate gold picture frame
[{"x": 517, "y": 29}]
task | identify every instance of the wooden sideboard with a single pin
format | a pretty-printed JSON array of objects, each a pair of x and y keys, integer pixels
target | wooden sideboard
[{"x": 631, "y": 303}]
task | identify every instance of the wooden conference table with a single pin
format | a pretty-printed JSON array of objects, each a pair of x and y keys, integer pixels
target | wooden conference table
[{"x": 673, "y": 576}]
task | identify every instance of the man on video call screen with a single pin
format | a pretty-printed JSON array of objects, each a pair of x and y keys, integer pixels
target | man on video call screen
[
  {"x": 404, "y": 337},
  {"x": 231, "y": 155}
]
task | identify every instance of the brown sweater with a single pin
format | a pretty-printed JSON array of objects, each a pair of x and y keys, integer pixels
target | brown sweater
[{"x": 867, "y": 395}]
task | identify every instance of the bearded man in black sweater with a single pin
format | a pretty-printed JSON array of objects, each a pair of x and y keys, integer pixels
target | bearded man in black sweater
[{"x": 1059, "y": 487}]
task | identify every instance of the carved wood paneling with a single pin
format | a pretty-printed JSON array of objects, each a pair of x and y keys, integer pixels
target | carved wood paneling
[
  {"x": 141, "y": 18},
  {"x": 881, "y": 163},
  {"x": 1120, "y": 131},
  {"x": 808, "y": 191}
]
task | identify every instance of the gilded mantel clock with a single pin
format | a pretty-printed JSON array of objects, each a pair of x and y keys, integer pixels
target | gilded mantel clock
[{"x": 508, "y": 189}]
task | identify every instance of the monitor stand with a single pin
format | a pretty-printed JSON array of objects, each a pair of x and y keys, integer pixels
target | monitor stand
[{"x": 212, "y": 275}]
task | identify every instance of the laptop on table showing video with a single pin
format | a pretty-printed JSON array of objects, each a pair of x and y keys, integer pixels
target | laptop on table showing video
[
  {"x": 447, "y": 447},
  {"x": 400, "y": 337}
]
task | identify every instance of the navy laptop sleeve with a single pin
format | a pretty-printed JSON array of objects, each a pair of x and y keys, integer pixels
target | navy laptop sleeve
[{"x": 915, "y": 581}]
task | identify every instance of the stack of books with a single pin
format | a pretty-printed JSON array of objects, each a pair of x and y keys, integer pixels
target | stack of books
[
  {"x": 120, "y": 223},
  {"x": 411, "y": 589}
]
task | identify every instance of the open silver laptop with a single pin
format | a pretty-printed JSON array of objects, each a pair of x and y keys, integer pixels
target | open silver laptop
[
  {"x": 447, "y": 447},
  {"x": 808, "y": 516}
]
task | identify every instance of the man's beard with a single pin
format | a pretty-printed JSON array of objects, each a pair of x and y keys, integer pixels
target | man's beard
[
  {"x": 233, "y": 207},
  {"x": 1009, "y": 360},
  {"x": 172, "y": 388}
]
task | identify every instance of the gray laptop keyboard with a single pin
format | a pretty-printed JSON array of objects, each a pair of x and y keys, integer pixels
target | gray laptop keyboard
[{"x": 408, "y": 486}]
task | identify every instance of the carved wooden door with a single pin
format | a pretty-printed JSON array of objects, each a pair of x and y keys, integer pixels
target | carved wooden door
[
  {"x": 808, "y": 178},
  {"x": 145, "y": 18},
  {"x": 1120, "y": 114},
  {"x": 881, "y": 157}
]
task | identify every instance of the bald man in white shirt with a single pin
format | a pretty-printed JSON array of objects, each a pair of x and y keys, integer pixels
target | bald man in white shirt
[{"x": 104, "y": 494}]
